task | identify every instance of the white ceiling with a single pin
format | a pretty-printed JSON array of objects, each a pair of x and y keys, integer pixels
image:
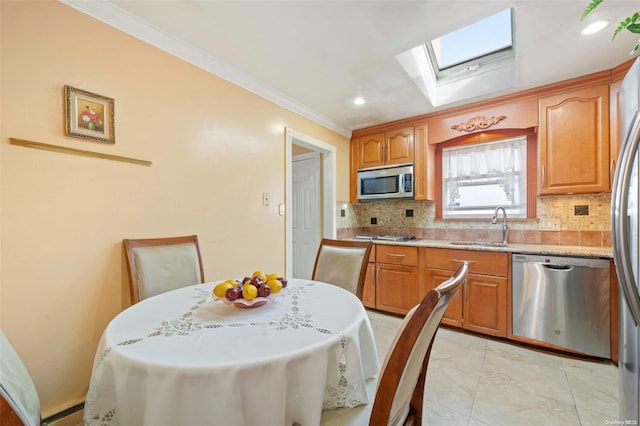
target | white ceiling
[{"x": 314, "y": 57}]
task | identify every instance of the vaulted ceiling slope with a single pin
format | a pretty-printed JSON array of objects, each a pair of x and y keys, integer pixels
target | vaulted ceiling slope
[{"x": 315, "y": 56}]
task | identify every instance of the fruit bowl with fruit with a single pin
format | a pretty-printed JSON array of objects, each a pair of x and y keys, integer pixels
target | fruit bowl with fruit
[{"x": 250, "y": 292}]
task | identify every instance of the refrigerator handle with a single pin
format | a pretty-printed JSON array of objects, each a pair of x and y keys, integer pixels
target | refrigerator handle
[
  {"x": 620, "y": 227},
  {"x": 612, "y": 170}
]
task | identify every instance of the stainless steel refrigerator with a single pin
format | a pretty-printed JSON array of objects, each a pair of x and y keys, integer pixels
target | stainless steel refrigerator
[{"x": 624, "y": 234}]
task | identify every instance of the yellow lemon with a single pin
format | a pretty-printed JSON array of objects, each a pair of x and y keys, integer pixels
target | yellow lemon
[
  {"x": 260, "y": 274},
  {"x": 249, "y": 292},
  {"x": 275, "y": 285},
  {"x": 233, "y": 282},
  {"x": 220, "y": 289},
  {"x": 271, "y": 277}
]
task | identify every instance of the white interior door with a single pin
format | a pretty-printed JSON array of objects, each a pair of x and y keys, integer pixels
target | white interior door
[
  {"x": 328, "y": 193},
  {"x": 305, "y": 181}
]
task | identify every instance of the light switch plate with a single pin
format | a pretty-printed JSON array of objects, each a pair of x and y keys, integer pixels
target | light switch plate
[{"x": 266, "y": 198}]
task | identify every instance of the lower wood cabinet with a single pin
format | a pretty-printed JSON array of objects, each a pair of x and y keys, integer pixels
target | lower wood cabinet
[
  {"x": 369, "y": 290},
  {"x": 481, "y": 305},
  {"x": 432, "y": 279},
  {"x": 394, "y": 287},
  {"x": 398, "y": 278},
  {"x": 392, "y": 279}
]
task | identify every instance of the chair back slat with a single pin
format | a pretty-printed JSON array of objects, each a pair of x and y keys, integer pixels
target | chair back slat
[
  {"x": 157, "y": 265},
  {"x": 342, "y": 263},
  {"x": 400, "y": 385},
  {"x": 18, "y": 393}
]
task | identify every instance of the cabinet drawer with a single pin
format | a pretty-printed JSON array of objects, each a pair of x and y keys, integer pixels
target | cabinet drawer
[
  {"x": 399, "y": 255},
  {"x": 483, "y": 262}
]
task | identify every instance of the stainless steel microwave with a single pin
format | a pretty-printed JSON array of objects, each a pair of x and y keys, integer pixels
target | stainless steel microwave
[{"x": 386, "y": 182}]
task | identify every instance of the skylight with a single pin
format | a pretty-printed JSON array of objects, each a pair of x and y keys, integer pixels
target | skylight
[
  {"x": 469, "y": 62},
  {"x": 485, "y": 37}
]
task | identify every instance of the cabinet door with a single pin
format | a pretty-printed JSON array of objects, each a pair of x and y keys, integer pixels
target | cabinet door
[
  {"x": 423, "y": 165},
  {"x": 371, "y": 151},
  {"x": 399, "y": 146},
  {"x": 395, "y": 287},
  {"x": 485, "y": 305},
  {"x": 435, "y": 277},
  {"x": 369, "y": 290},
  {"x": 574, "y": 141}
]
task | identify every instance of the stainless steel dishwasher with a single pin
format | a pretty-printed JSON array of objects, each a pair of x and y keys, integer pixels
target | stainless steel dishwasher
[{"x": 564, "y": 301}]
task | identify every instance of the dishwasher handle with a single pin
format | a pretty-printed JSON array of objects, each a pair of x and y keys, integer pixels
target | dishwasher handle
[{"x": 564, "y": 268}]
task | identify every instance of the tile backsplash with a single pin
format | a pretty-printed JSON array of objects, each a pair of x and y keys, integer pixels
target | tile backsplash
[{"x": 562, "y": 219}]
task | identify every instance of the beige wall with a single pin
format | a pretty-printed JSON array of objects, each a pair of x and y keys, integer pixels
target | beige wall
[{"x": 215, "y": 149}]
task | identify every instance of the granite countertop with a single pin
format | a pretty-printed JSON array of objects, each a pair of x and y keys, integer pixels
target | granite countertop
[{"x": 559, "y": 250}]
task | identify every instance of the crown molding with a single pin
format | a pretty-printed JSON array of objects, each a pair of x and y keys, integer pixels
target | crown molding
[{"x": 124, "y": 21}]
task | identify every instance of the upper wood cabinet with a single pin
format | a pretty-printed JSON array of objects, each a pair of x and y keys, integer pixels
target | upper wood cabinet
[
  {"x": 574, "y": 142},
  {"x": 391, "y": 147}
]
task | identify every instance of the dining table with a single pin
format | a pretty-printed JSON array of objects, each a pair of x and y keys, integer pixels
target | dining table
[{"x": 186, "y": 358}]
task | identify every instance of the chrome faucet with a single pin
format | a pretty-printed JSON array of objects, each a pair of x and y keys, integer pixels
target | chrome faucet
[{"x": 505, "y": 228}]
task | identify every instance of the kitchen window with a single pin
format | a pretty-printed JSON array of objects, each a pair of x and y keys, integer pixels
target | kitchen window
[{"x": 480, "y": 177}]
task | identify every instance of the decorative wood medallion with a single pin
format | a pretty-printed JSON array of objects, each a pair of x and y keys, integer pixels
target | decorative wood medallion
[{"x": 478, "y": 123}]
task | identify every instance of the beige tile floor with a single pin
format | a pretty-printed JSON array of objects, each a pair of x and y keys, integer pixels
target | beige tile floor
[{"x": 478, "y": 382}]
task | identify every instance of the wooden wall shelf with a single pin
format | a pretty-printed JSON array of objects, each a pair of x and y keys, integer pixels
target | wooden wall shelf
[{"x": 74, "y": 151}]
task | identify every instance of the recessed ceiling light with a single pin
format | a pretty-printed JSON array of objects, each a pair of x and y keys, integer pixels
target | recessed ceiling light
[
  {"x": 594, "y": 27},
  {"x": 358, "y": 101}
]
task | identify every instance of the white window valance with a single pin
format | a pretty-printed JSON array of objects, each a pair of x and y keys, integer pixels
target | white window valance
[{"x": 501, "y": 163}]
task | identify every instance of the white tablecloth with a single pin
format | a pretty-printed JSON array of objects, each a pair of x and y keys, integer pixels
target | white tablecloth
[{"x": 181, "y": 358}]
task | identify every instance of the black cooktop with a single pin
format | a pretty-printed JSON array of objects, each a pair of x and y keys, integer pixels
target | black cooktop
[{"x": 386, "y": 238}]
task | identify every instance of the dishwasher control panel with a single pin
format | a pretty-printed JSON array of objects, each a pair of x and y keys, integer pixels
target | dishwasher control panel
[{"x": 587, "y": 262}]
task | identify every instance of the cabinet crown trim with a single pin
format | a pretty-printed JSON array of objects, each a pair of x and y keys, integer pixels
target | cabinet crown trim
[{"x": 479, "y": 122}]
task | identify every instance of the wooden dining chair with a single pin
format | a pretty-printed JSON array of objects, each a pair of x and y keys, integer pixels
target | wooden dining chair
[
  {"x": 19, "y": 401},
  {"x": 157, "y": 265},
  {"x": 398, "y": 392},
  {"x": 343, "y": 263}
]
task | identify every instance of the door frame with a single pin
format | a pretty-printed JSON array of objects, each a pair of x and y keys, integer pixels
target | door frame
[{"x": 328, "y": 193}]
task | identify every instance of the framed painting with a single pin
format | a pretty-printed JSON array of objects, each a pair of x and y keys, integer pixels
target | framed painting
[{"x": 88, "y": 115}]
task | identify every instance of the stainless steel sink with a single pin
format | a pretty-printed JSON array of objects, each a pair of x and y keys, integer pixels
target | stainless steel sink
[{"x": 477, "y": 243}]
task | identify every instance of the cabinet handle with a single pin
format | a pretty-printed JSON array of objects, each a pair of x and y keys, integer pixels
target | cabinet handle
[
  {"x": 395, "y": 255},
  {"x": 463, "y": 261},
  {"x": 543, "y": 177}
]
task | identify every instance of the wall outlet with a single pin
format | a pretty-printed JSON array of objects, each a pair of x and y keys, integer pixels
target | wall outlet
[
  {"x": 374, "y": 220},
  {"x": 549, "y": 224},
  {"x": 342, "y": 213},
  {"x": 408, "y": 213},
  {"x": 582, "y": 210}
]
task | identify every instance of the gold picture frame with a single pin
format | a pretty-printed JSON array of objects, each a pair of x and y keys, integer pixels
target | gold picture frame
[{"x": 88, "y": 115}]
